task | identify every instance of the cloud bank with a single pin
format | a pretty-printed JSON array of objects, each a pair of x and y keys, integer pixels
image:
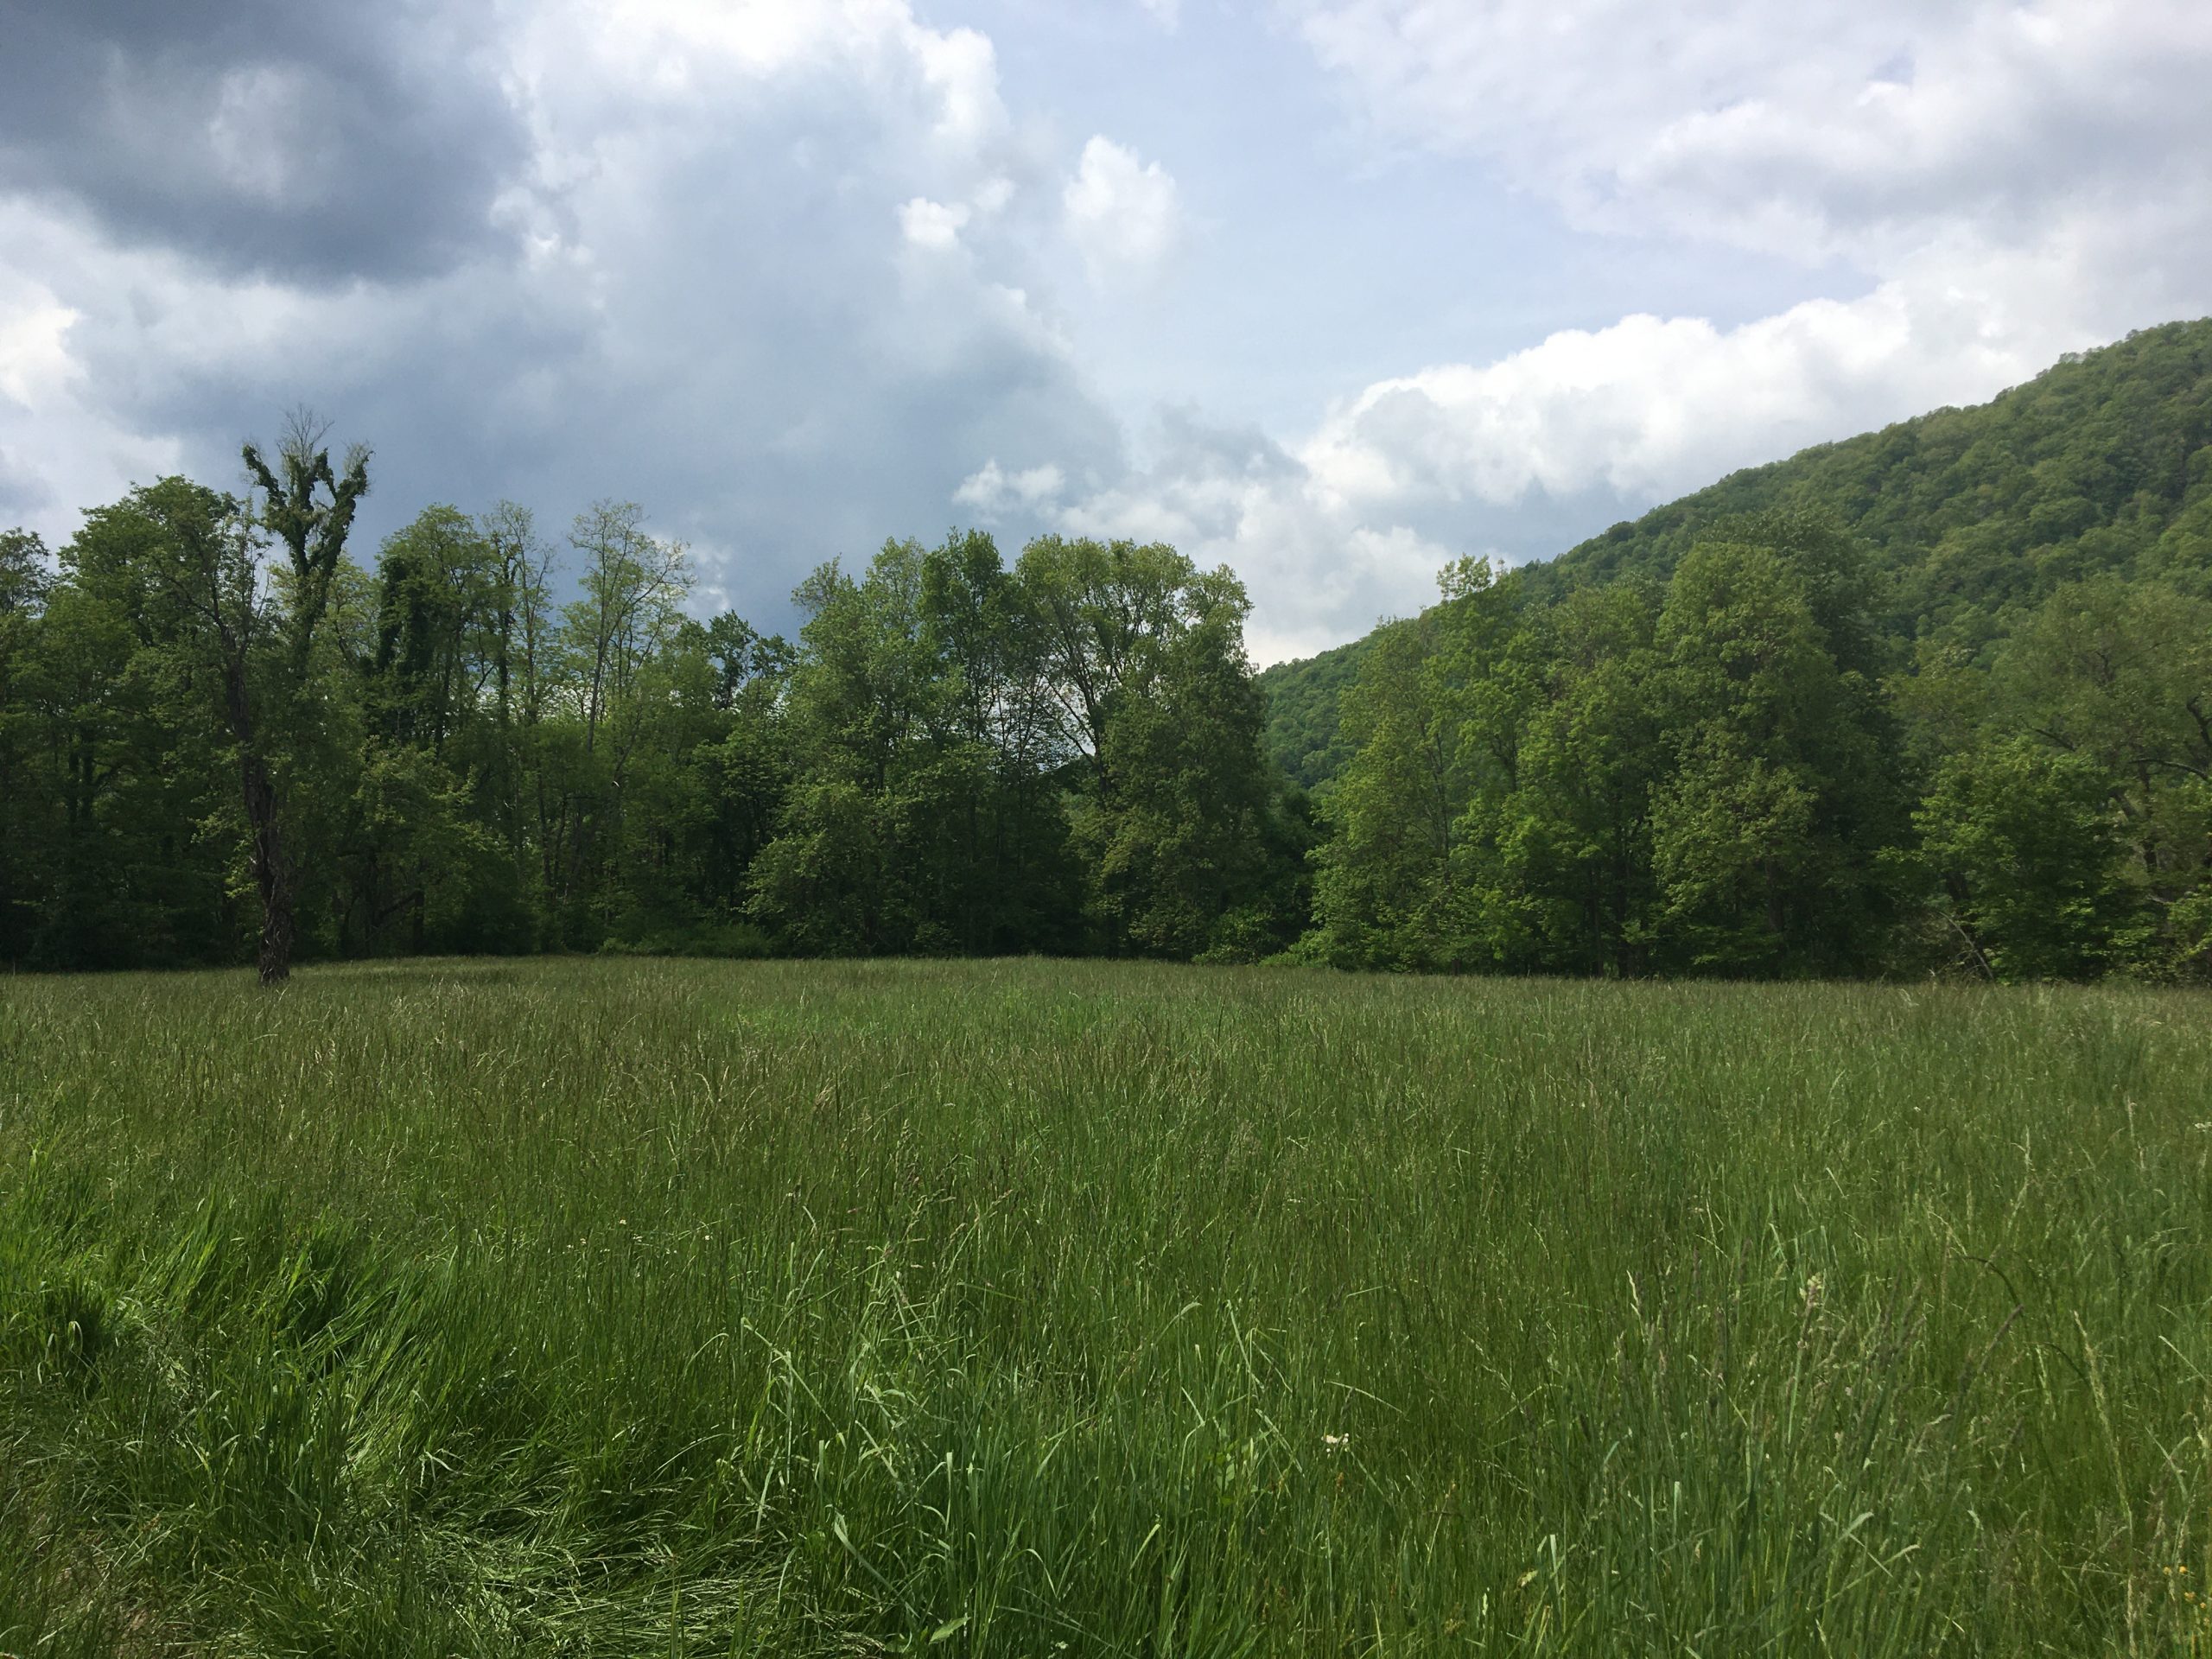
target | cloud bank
[
  {"x": 2006, "y": 182},
  {"x": 725, "y": 260},
  {"x": 799, "y": 273}
]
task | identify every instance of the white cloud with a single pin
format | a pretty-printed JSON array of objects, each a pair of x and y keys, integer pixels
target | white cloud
[
  {"x": 1857, "y": 128},
  {"x": 1121, "y": 213},
  {"x": 992, "y": 491},
  {"x": 2015, "y": 180},
  {"x": 689, "y": 288},
  {"x": 1353, "y": 522},
  {"x": 34, "y": 362},
  {"x": 58, "y": 447},
  {"x": 932, "y": 224},
  {"x": 1650, "y": 407},
  {"x": 694, "y": 301},
  {"x": 675, "y": 49},
  {"x": 2011, "y": 181},
  {"x": 1309, "y": 559},
  {"x": 262, "y": 135}
]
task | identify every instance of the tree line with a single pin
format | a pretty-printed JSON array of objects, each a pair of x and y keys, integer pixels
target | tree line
[
  {"x": 1935, "y": 697},
  {"x": 221, "y": 736},
  {"x": 1724, "y": 772},
  {"x": 1938, "y": 699}
]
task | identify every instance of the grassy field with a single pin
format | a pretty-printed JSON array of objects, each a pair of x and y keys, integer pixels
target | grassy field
[{"x": 637, "y": 1307}]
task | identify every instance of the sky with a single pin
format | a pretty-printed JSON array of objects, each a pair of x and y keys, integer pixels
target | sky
[{"x": 1330, "y": 291}]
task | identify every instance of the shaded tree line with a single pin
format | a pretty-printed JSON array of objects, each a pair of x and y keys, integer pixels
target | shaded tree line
[
  {"x": 1732, "y": 771},
  {"x": 1935, "y": 699},
  {"x": 223, "y": 737}
]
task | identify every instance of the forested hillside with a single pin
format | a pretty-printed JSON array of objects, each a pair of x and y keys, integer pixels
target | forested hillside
[
  {"x": 1938, "y": 697},
  {"x": 2098, "y": 465},
  {"x": 1303, "y": 705}
]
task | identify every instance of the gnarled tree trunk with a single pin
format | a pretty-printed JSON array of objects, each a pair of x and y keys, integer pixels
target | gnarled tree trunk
[
  {"x": 313, "y": 532},
  {"x": 272, "y": 875}
]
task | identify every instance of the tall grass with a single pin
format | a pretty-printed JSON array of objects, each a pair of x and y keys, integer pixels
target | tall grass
[{"x": 655, "y": 1307}]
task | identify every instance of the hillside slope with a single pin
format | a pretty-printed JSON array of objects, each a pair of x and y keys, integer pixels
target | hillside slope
[
  {"x": 1971, "y": 516},
  {"x": 1301, "y": 704}
]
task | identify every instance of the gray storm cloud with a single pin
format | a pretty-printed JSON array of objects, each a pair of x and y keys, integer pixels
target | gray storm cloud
[
  {"x": 312, "y": 140},
  {"x": 798, "y": 275},
  {"x": 528, "y": 265}
]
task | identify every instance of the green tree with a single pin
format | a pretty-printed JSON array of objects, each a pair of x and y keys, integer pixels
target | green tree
[
  {"x": 1179, "y": 820},
  {"x": 2025, "y": 839},
  {"x": 1410, "y": 878},
  {"x": 181, "y": 568},
  {"x": 1770, "y": 835},
  {"x": 24, "y": 582},
  {"x": 1576, "y": 869},
  {"x": 1384, "y": 890},
  {"x": 608, "y": 680},
  {"x": 263, "y": 642},
  {"x": 1178, "y": 849},
  {"x": 2119, "y": 675},
  {"x": 835, "y": 879},
  {"x": 431, "y": 845},
  {"x": 916, "y": 711}
]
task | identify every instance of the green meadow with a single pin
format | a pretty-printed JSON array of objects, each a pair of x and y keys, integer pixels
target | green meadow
[{"x": 646, "y": 1308}]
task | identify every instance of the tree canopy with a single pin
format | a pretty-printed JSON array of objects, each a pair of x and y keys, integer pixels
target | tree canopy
[
  {"x": 488, "y": 743},
  {"x": 1938, "y": 698}
]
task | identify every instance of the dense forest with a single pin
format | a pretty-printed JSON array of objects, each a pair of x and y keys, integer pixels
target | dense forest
[
  {"x": 217, "y": 731},
  {"x": 1937, "y": 699}
]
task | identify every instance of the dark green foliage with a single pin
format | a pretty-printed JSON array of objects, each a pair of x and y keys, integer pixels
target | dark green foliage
[
  {"x": 1060, "y": 757},
  {"x": 24, "y": 583},
  {"x": 924, "y": 817},
  {"x": 958, "y": 758},
  {"x": 1176, "y": 810},
  {"x": 1696, "y": 743},
  {"x": 1303, "y": 713},
  {"x": 2099, "y": 464},
  {"x": 1938, "y": 697},
  {"x": 2022, "y": 840}
]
